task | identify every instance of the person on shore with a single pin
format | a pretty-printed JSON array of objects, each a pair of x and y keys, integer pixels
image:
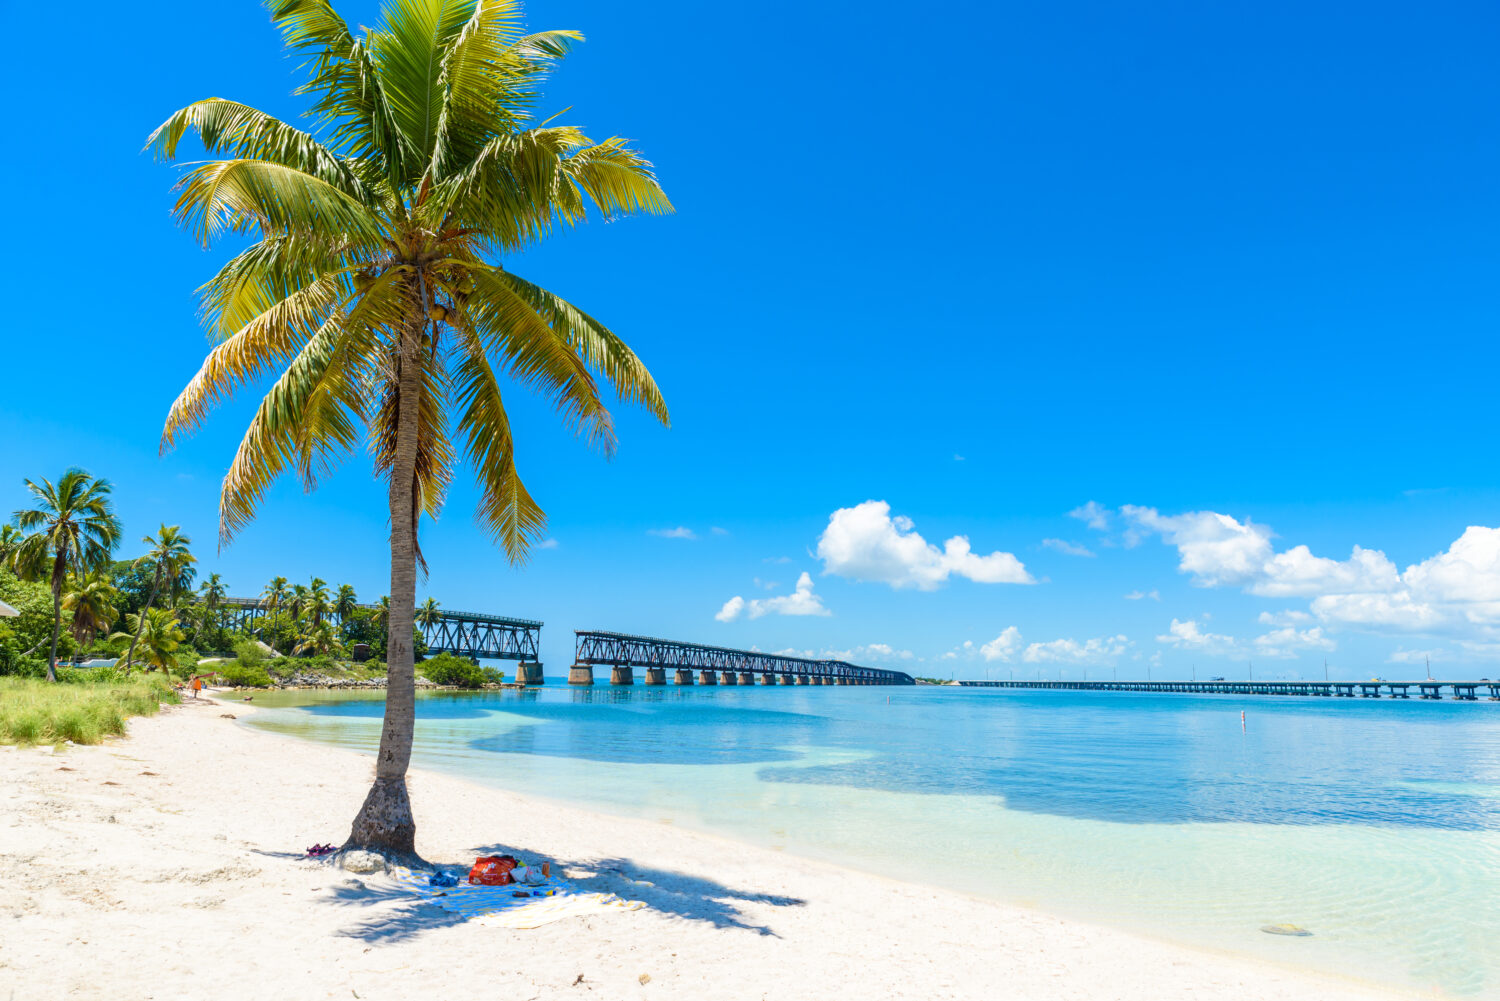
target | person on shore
[{"x": 196, "y": 684}]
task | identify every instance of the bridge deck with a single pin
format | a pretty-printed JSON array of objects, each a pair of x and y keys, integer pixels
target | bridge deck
[
  {"x": 1462, "y": 690},
  {"x": 624, "y": 650}
]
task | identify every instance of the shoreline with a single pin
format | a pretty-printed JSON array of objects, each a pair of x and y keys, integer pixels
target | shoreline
[{"x": 165, "y": 853}]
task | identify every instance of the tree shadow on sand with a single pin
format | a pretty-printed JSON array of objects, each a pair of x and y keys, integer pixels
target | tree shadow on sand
[
  {"x": 692, "y": 898},
  {"x": 396, "y": 916}
]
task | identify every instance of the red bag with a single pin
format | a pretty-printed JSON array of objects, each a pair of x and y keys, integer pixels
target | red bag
[{"x": 492, "y": 870}]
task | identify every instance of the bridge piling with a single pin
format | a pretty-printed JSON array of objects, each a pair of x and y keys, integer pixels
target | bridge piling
[
  {"x": 621, "y": 674},
  {"x": 708, "y": 677},
  {"x": 769, "y": 678},
  {"x": 581, "y": 674},
  {"x": 684, "y": 676},
  {"x": 728, "y": 678},
  {"x": 746, "y": 678},
  {"x": 656, "y": 675},
  {"x": 529, "y": 673}
]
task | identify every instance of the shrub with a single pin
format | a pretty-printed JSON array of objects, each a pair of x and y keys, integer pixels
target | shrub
[
  {"x": 244, "y": 675},
  {"x": 446, "y": 669}
]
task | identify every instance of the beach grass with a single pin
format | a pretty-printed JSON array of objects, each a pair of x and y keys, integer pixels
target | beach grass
[{"x": 85, "y": 712}]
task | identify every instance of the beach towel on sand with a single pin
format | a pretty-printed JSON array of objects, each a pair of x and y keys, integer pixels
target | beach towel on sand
[{"x": 495, "y": 905}]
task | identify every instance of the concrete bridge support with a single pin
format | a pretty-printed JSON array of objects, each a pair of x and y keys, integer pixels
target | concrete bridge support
[
  {"x": 788, "y": 679},
  {"x": 746, "y": 678},
  {"x": 684, "y": 676},
  {"x": 621, "y": 674},
  {"x": 729, "y": 678},
  {"x": 529, "y": 673},
  {"x": 581, "y": 674},
  {"x": 656, "y": 675},
  {"x": 803, "y": 679},
  {"x": 708, "y": 677},
  {"x": 768, "y": 678}
]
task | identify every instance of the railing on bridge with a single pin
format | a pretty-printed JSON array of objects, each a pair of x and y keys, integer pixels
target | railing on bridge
[
  {"x": 466, "y": 634},
  {"x": 715, "y": 664},
  {"x": 1466, "y": 691}
]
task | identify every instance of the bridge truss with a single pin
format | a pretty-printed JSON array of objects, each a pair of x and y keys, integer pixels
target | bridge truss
[
  {"x": 624, "y": 650},
  {"x": 476, "y": 635}
]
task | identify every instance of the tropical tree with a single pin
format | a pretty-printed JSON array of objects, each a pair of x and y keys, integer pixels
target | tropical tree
[
  {"x": 157, "y": 633},
  {"x": 274, "y": 597},
  {"x": 375, "y": 288},
  {"x": 72, "y": 525},
  {"x": 345, "y": 602},
  {"x": 297, "y": 603},
  {"x": 213, "y": 592},
  {"x": 10, "y": 538},
  {"x": 169, "y": 554},
  {"x": 321, "y": 637},
  {"x": 428, "y": 615},
  {"x": 318, "y": 604},
  {"x": 92, "y": 602}
]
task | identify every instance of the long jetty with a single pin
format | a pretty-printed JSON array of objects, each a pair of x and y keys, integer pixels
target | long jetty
[
  {"x": 1464, "y": 691},
  {"x": 712, "y": 665}
]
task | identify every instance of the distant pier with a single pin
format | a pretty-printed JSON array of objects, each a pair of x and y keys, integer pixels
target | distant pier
[{"x": 1464, "y": 691}]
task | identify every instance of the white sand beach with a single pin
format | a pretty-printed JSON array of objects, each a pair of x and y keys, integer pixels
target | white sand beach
[{"x": 161, "y": 866}]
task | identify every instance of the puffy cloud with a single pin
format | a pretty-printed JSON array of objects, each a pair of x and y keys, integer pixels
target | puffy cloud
[
  {"x": 801, "y": 601},
  {"x": 1187, "y": 635},
  {"x": 1153, "y": 594},
  {"x": 1288, "y": 641},
  {"x": 680, "y": 532},
  {"x": 865, "y": 543},
  {"x": 1069, "y": 651},
  {"x": 1454, "y": 592},
  {"x": 1002, "y": 647},
  {"x": 1288, "y": 617},
  {"x": 1093, "y": 514},
  {"x": 716, "y": 530},
  {"x": 1067, "y": 548},
  {"x": 547, "y": 544}
]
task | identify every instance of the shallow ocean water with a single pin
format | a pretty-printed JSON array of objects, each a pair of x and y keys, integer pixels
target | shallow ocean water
[{"x": 1374, "y": 824}]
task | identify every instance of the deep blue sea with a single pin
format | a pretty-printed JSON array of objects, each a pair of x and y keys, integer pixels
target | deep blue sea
[{"x": 1373, "y": 824}]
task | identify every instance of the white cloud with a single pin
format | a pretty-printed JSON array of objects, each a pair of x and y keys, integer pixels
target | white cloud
[
  {"x": 1153, "y": 594},
  {"x": 680, "y": 532},
  {"x": 1002, "y": 647},
  {"x": 1288, "y": 641},
  {"x": 801, "y": 601},
  {"x": 777, "y": 559},
  {"x": 1094, "y": 514},
  {"x": 1287, "y": 617},
  {"x": 1456, "y": 592},
  {"x": 1069, "y": 651},
  {"x": 1187, "y": 635},
  {"x": 547, "y": 544},
  {"x": 1067, "y": 548},
  {"x": 716, "y": 530},
  {"x": 865, "y": 543},
  {"x": 1423, "y": 657},
  {"x": 957, "y": 457}
]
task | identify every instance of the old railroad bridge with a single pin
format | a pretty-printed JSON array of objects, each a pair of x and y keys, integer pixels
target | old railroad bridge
[{"x": 479, "y": 635}]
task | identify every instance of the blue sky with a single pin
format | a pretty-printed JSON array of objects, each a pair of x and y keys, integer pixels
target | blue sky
[{"x": 983, "y": 264}]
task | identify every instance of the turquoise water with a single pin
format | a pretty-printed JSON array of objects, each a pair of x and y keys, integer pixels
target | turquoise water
[{"x": 1374, "y": 824}]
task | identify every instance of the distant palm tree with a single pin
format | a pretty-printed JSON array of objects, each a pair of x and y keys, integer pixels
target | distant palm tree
[
  {"x": 373, "y": 287},
  {"x": 156, "y": 629},
  {"x": 345, "y": 602},
  {"x": 317, "y": 600},
  {"x": 321, "y": 637},
  {"x": 428, "y": 615},
  {"x": 213, "y": 592},
  {"x": 10, "y": 538},
  {"x": 297, "y": 603},
  {"x": 274, "y": 597},
  {"x": 92, "y": 602},
  {"x": 73, "y": 524},
  {"x": 170, "y": 554}
]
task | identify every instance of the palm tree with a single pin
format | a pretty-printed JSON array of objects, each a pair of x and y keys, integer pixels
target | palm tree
[
  {"x": 321, "y": 637},
  {"x": 92, "y": 602},
  {"x": 428, "y": 615},
  {"x": 213, "y": 592},
  {"x": 345, "y": 602},
  {"x": 10, "y": 538},
  {"x": 169, "y": 553},
  {"x": 73, "y": 524},
  {"x": 317, "y": 600},
  {"x": 297, "y": 603},
  {"x": 157, "y": 631},
  {"x": 374, "y": 287},
  {"x": 274, "y": 596}
]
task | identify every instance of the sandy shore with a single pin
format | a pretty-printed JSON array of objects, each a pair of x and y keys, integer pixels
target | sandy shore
[{"x": 159, "y": 866}]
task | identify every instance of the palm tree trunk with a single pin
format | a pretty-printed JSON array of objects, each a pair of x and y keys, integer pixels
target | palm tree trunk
[
  {"x": 140, "y": 622},
  {"x": 58, "y": 571},
  {"x": 385, "y": 822}
]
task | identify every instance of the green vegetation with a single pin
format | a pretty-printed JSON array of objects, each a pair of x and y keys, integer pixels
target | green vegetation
[
  {"x": 84, "y": 709},
  {"x": 371, "y": 296},
  {"x": 460, "y": 672}
]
